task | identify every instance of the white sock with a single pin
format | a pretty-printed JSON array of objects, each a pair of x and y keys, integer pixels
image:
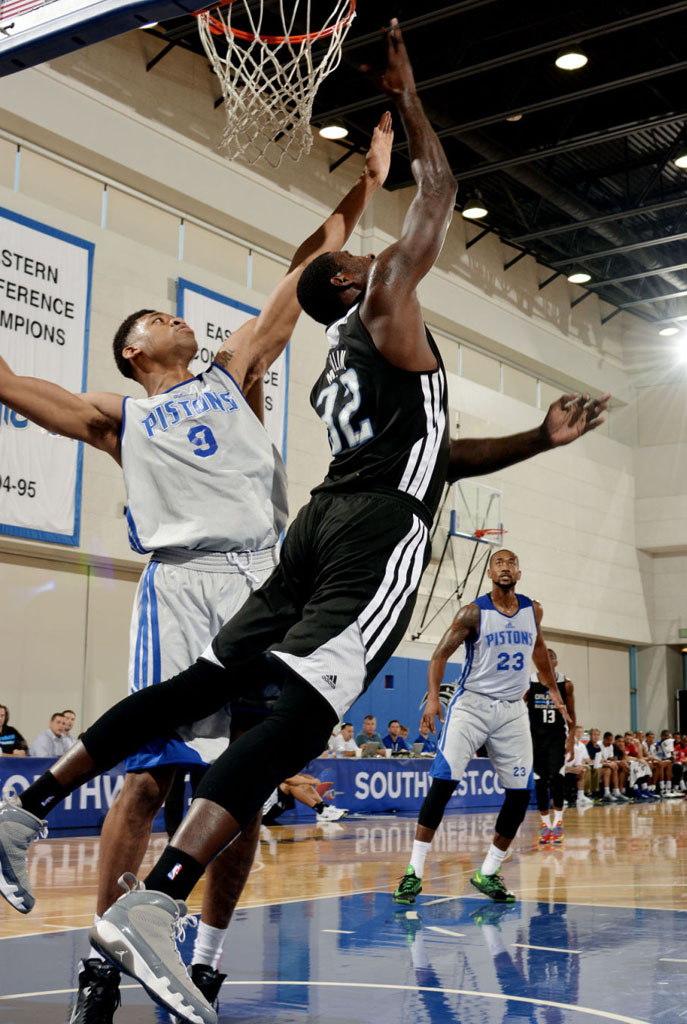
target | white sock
[
  {"x": 493, "y": 939},
  {"x": 616, "y": 792},
  {"x": 493, "y": 860},
  {"x": 643, "y": 785},
  {"x": 94, "y": 954},
  {"x": 209, "y": 945},
  {"x": 557, "y": 817},
  {"x": 669, "y": 785},
  {"x": 607, "y": 790},
  {"x": 546, "y": 820},
  {"x": 419, "y": 856},
  {"x": 661, "y": 785}
]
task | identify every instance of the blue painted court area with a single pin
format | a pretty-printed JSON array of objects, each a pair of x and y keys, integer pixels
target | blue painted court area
[{"x": 362, "y": 958}]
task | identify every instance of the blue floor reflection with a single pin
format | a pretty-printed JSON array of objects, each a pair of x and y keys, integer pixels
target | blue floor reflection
[{"x": 362, "y": 958}]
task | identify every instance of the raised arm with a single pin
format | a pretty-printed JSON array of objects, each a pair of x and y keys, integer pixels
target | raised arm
[
  {"x": 94, "y": 418},
  {"x": 464, "y": 625},
  {"x": 568, "y": 418},
  {"x": 250, "y": 350},
  {"x": 542, "y": 663},
  {"x": 390, "y": 309}
]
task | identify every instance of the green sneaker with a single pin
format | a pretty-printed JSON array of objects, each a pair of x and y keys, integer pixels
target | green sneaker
[
  {"x": 409, "y": 887},
  {"x": 493, "y": 887}
]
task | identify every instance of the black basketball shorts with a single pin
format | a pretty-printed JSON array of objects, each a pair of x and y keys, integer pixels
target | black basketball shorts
[{"x": 341, "y": 598}]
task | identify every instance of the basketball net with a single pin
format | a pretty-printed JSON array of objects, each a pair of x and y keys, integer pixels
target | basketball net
[{"x": 269, "y": 82}]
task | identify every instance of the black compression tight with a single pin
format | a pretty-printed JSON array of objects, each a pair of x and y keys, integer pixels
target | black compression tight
[
  {"x": 157, "y": 711},
  {"x": 434, "y": 804},
  {"x": 296, "y": 731}
]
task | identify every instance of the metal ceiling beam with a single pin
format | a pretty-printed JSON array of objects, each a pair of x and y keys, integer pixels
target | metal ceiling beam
[
  {"x": 654, "y": 298},
  {"x": 636, "y": 277},
  {"x": 592, "y": 222},
  {"x": 578, "y": 142},
  {"x": 670, "y": 319},
  {"x": 618, "y": 250},
  {"x": 507, "y": 59},
  {"x": 558, "y": 101}
]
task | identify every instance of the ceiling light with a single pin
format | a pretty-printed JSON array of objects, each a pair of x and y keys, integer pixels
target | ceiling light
[
  {"x": 681, "y": 159},
  {"x": 333, "y": 131},
  {"x": 579, "y": 277},
  {"x": 514, "y": 117},
  {"x": 667, "y": 332},
  {"x": 151, "y": 24},
  {"x": 474, "y": 207},
  {"x": 571, "y": 58}
]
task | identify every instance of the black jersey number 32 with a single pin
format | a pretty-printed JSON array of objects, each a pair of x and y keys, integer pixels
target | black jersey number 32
[{"x": 337, "y": 404}]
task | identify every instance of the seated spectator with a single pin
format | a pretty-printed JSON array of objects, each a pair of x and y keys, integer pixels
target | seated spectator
[
  {"x": 369, "y": 732},
  {"x": 394, "y": 741},
  {"x": 405, "y": 733},
  {"x": 305, "y": 789},
  {"x": 640, "y": 772},
  {"x": 679, "y": 766},
  {"x": 578, "y": 764},
  {"x": 427, "y": 739},
  {"x": 619, "y": 771},
  {"x": 11, "y": 740},
  {"x": 69, "y": 719},
  {"x": 658, "y": 769},
  {"x": 51, "y": 742},
  {"x": 344, "y": 745},
  {"x": 608, "y": 769}
]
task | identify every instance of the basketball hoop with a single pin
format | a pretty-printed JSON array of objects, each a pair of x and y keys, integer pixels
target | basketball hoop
[
  {"x": 269, "y": 81},
  {"x": 496, "y": 533}
]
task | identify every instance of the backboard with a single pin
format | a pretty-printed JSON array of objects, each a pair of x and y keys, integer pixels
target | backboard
[{"x": 33, "y": 31}]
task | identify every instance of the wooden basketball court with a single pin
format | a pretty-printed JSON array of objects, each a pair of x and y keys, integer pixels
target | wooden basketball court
[{"x": 597, "y": 933}]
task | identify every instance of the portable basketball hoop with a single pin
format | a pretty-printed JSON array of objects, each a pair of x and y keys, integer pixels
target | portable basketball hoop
[{"x": 269, "y": 81}]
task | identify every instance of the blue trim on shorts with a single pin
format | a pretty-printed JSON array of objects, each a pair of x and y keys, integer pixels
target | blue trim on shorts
[
  {"x": 154, "y": 625},
  {"x": 163, "y": 752},
  {"x": 440, "y": 768}
]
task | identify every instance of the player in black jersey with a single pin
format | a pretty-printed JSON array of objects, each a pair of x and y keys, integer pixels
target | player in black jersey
[
  {"x": 342, "y": 596},
  {"x": 549, "y": 737}
]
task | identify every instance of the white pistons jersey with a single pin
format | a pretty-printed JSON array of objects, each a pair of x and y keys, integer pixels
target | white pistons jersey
[
  {"x": 497, "y": 663},
  {"x": 200, "y": 470}
]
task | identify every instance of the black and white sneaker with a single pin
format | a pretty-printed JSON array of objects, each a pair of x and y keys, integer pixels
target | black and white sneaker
[
  {"x": 98, "y": 996},
  {"x": 138, "y": 935},
  {"x": 18, "y": 829},
  {"x": 208, "y": 980}
]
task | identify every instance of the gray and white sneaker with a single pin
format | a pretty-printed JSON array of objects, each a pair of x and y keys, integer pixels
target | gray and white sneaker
[
  {"x": 18, "y": 829},
  {"x": 137, "y": 934}
]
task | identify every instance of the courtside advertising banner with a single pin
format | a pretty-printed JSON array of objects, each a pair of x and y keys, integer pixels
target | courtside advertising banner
[
  {"x": 214, "y": 317},
  {"x": 45, "y": 292}
]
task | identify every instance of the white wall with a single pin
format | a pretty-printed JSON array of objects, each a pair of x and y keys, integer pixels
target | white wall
[{"x": 509, "y": 346}]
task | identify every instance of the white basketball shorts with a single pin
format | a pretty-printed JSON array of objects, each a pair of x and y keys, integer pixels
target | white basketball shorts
[{"x": 503, "y": 725}]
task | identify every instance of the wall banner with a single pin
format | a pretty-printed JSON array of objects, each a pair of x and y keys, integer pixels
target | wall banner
[
  {"x": 214, "y": 317},
  {"x": 45, "y": 299}
]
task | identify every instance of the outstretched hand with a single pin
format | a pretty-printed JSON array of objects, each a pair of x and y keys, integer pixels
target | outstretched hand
[
  {"x": 571, "y": 416},
  {"x": 432, "y": 709},
  {"x": 378, "y": 159},
  {"x": 398, "y": 77}
]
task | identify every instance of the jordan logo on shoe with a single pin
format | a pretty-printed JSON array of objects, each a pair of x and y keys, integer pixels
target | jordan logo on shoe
[
  {"x": 331, "y": 680},
  {"x": 121, "y": 953}
]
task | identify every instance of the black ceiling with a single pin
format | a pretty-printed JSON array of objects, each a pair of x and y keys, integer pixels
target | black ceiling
[{"x": 584, "y": 179}]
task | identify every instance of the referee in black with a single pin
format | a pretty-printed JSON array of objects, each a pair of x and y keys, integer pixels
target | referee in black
[{"x": 549, "y": 738}]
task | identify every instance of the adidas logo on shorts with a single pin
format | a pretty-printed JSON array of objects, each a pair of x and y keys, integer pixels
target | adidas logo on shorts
[{"x": 331, "y": 680}]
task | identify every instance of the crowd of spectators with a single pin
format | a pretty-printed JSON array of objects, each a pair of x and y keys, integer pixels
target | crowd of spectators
[
  {"x": 52, "y": 742},
  {"x": 370, "y": 743},
  {"x": 623, "y": 767}
]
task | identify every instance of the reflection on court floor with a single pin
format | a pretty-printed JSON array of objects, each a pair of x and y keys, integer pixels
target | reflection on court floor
[
  {"x": 598, "y": 934},
  {"x": 362, "y": 958}
]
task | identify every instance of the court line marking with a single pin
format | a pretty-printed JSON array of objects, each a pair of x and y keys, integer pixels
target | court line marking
[
  {"x": 337, "y": 931},
  {"x": 672, "y": 960},
  {"x": 444, "y": 899},
  {"x": 445, "y": 931},
  {"x": 606, "y": 1015},
  {"x": 548, "y": 949}
]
